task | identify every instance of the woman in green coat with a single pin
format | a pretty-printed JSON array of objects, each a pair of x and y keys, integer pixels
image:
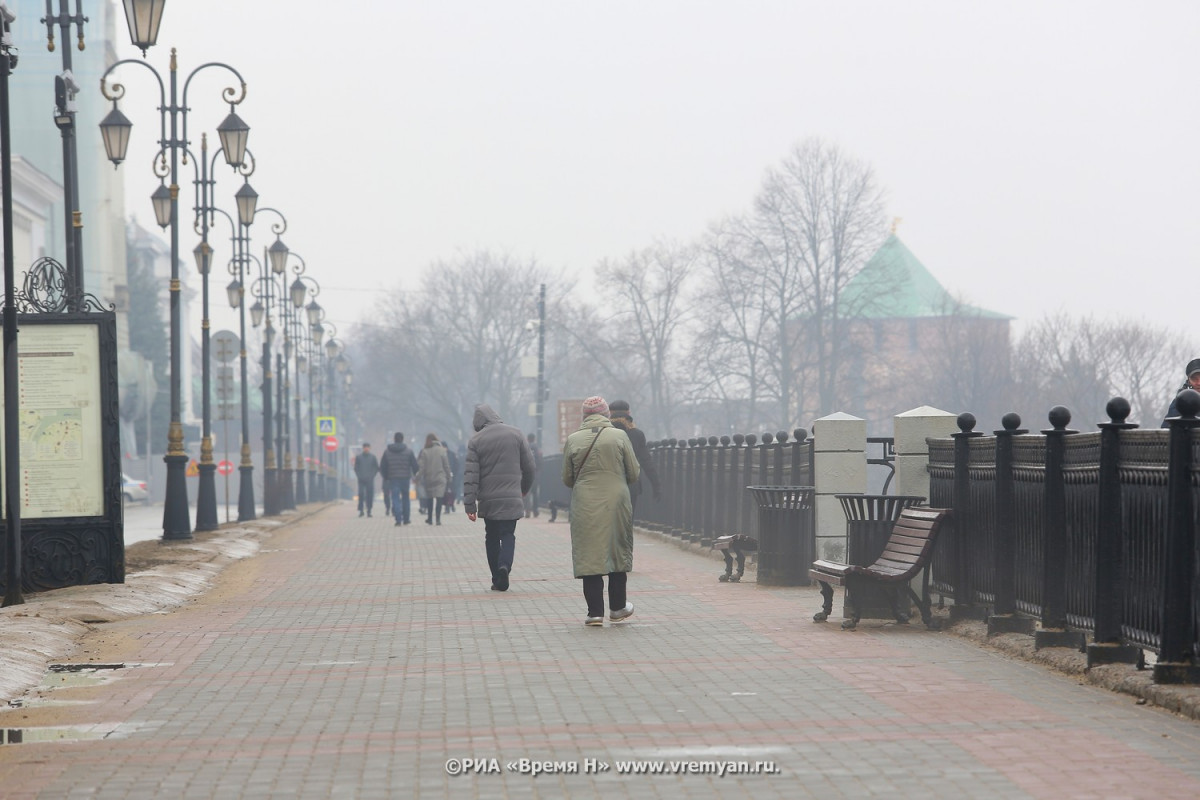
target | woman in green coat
[{"x": 598, "y": 466}]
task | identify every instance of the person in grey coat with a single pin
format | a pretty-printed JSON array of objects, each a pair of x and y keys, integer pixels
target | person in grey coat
[
  {"x": 496, "y": 476},
  {"x": 366, "y": 467}
]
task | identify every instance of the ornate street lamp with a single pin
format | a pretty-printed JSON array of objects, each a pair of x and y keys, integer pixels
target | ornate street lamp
[{"x": 144, "y": 17}]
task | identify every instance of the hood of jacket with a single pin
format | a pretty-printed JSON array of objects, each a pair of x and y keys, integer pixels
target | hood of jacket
[
  {"x": 484, "y": 415},
  {"x": 397, "y": 447}
]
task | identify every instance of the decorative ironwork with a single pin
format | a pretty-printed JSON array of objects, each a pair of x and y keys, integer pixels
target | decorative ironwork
[{"x": 44, "y": 291}]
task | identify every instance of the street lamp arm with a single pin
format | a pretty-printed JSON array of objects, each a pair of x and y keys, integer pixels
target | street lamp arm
[
  {"x": 118, "y": 89},
  {"x": 230, "y": 94},
  {"x": 277, "y": 228}
]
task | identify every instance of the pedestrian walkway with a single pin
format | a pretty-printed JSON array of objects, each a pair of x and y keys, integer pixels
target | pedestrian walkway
[{"x": 352, "y": 658}]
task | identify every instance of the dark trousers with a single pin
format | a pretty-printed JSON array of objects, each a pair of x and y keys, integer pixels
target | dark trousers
[
  {"x": 500, "y": 539},
  {"x": 400, "y": 501},
  {"x": 429, "y": 513},
  {"x": 366, "y": 496},
  {"x": 593, "y": 592}
]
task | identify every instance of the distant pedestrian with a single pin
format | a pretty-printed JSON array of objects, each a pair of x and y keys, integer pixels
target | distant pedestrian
[
  {"x": 498, "y": 471},
  {"x": 531, "y": 499},
  {"x": 599, "y": 466},
  {"x": 397, "y": 467},
  {"x": 433, "y": 474},
  {"x": 1192, "y": 371},
  {"x": 366, "y": 467},
  {"x": 621, "y": 418}
]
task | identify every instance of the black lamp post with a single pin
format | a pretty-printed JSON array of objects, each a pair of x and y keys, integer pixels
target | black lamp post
[
  {"x": 65, "y": 90},
  {"x": 205, "y": 210},
  {"x": 143, "y": 17},
  {"x": 295, "y": 344},
  {"x": 12, "y": 441},
  {"x": 264, "y": 288}
]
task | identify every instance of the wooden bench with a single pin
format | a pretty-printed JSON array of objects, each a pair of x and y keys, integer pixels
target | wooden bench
[
  {"x": 738, "y": 544},
  {"x": 909, "y": 550}
]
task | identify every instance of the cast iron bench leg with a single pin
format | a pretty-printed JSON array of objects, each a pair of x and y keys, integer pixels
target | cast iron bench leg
[
  {"x": 827, "y": 608},
  {"x": 741, "y": 562},
  {"x": 855, "y": 614},
  {"x": 894, "y": 594}
]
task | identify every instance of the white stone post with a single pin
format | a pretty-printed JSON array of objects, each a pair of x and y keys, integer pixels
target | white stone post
[
  {"x": 912, "y": 454},
  {"x": 839, "y": 467}
]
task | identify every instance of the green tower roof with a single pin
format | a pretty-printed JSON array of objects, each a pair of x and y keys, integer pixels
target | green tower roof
[{"x": 894, "y": 284}]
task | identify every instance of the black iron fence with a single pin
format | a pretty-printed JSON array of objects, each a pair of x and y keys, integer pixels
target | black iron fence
[
  {"x": 1089, "y": 532},
  {"x": 704, "y": 482}
]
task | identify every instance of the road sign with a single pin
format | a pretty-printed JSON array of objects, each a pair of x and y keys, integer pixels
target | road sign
[
  {"x": 326, "y": 426},
  {"x": 226, "y": 346},
  {"x": 193, "y": 469},
  {"x": 330, "y": 443},
  {"x": 225, "y": 467}
]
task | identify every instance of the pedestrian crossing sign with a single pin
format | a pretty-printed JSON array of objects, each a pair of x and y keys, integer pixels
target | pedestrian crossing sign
[{"x": 326, "y": 426}]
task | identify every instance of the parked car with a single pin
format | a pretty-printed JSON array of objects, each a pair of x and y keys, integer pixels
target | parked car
[{"x": 134, "y": 491}]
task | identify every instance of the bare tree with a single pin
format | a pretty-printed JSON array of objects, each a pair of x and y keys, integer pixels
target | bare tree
[
  {"x": 648, "y": 287},
  {"x": 818, "y": 218}
]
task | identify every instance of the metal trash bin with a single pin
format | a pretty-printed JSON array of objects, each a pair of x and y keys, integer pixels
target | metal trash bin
[
  {"x": 869, "y": 522},
  {"x": 786, "y": 536}
]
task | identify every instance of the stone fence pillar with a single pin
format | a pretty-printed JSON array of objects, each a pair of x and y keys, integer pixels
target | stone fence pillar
[
  {"x": 911, "y": 428},
  {"x": 839, "y": 467}
]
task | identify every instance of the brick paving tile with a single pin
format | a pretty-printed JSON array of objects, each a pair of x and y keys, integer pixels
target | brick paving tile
[{"x": 352, "y": 658}]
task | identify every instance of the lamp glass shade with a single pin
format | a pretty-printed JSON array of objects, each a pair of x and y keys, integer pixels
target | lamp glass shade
[
  {"x": 301, "y": 365},
  {"x": 314, "y": 312},
  {"x": 144, "y": 18},
  {"x": 298, "y": 291},
  {"x": 341, "y": 363},
  {"x": 203, "y": 254},
  {"x": 247, "y": 203},
  {"x": 331, "y": 348},
  {"x": 234, "y": 290},
  {"x": 277, "y": 254},
  {"x": 162, "y": 205},
  {"x": 287, "y": 349},
  {"x": 256, "y": 313},
  {"x": 114, "y": 129},
  {"x": 234, "y": 133},
  {"x": 318, "y": 333}
]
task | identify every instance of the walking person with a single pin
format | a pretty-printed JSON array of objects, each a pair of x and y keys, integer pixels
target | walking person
[
  {"x": 433, "y": 473},
  {"x": 621, "y": 418},
  {"x": 498, "y": 472},
  {"x": 397, "y": 468},
  {"x": 599, "y": 466},
  {"x": 366, "y": 467},
  {"x": 1192, "y": 371},
  {"x": 531, "y": 499}
]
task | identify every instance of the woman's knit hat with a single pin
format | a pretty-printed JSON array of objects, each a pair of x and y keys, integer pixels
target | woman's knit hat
[{"x": 595, "y": 405}]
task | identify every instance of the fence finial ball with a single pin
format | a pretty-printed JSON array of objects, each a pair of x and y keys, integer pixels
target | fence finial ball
[
  {"x": 751, "y": 439},
  {"x": 1188, "y": 403},
  {"x": 800, "y": 434},
  {"x": 781, "y": 436},
  {"x": 768, "y": 437},
  {"x": 1060, "y": 417},
  {"x": 712, "y": 441},
  {"x": 739, "y": 439},
  {"x": 725, "y": 440},
  {"x": 1011, "y": 421},
  {"x": 966, "y": 422},
  {"x": 1117, "y": 409}
]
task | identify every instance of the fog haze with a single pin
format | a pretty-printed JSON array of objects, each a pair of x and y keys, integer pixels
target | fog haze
[{"x": 1040, "y": 155}]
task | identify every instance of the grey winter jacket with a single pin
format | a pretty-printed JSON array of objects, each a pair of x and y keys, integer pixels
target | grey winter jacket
[
  {"x": 499, "y": 468},
  {"x": 366, "y": 467},
  {"x": 398, "y": 463}
]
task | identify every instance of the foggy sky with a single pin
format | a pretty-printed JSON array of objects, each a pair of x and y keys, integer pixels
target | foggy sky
[{"x": 1041, "y": 155}]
